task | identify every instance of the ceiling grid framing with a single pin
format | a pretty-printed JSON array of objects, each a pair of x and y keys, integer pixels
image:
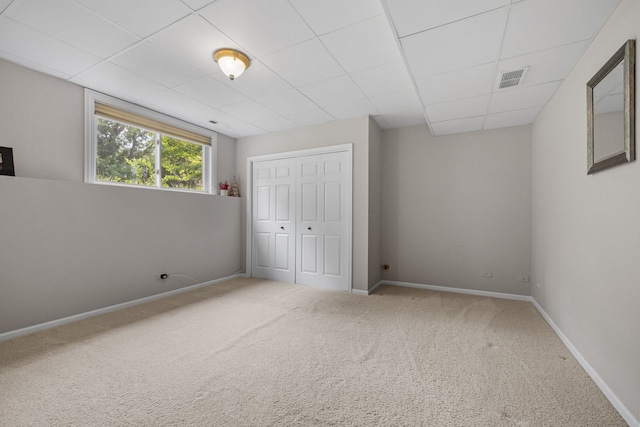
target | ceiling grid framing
[{"x": 327, "y": 44}]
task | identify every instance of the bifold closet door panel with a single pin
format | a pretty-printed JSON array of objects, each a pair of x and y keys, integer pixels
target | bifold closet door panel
[
  {"x": 274, "y": 222},
  {"x": 322, "y": 223}
]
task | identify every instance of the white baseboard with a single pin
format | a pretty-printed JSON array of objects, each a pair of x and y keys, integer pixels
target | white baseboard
[
  {"x": 58, "y": 322},
  {"x": 361, "y": 292},
  {"x": 457, "y": 290},
  {"x": 375, "y": 287},
  {"x": 615, "y": 401}
]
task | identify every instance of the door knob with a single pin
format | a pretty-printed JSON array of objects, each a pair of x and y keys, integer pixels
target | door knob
[
  {"x": 308, "y": 228},
  {"x": 281, "y": 228}
]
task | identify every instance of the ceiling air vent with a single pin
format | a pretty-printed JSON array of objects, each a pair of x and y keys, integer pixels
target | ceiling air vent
[{"x": 511, "y": 78}]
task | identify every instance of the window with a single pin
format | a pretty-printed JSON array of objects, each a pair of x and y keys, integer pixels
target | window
[{"x": 130, "y": 145}]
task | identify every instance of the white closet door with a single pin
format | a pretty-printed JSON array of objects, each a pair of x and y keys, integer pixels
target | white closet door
[
  {"x": 274, "y": 220},
  {"x": 322, "y": 223}
]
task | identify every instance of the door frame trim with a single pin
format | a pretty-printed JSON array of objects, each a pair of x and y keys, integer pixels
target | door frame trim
[{"x": 348, "y": 148}]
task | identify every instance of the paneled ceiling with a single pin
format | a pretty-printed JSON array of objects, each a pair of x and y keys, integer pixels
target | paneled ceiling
[{"x": 403, "y": 62}]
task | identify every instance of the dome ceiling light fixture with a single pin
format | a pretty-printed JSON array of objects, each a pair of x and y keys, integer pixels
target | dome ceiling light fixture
[{"x": 231, "y": 62}]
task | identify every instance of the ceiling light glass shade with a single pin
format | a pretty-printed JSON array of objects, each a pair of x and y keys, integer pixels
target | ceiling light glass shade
[{"x": 231, "y": 62}]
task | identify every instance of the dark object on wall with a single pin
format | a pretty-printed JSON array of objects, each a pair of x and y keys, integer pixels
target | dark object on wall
[{"x": 6, "y": 161}]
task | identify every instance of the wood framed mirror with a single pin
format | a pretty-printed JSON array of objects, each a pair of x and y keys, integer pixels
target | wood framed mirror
[{"x": 611, "y": 111}]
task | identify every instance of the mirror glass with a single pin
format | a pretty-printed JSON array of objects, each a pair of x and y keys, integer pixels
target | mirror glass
[{"x": 608, "y": 115}]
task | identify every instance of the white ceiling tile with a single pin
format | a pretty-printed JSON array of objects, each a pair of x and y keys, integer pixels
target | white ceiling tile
[
  {"x": 546, "y": 65},
  {"x": 259, "y": 26},
  {"x": 382, "y": 80},
  {"x": 543, "y": 24},
  {"x": 138, "y": 19},
  {"x": 302, "y": 64},
  {"x": 402, "y": 119},
  {"x": 455, "y": 85},
  {"x": 225, "y": 130},
  {"x": 257, "y": 81},
  {"x": 329, "y": 15},
  {"x": 32, "y": 65},
  {"x": 197, "y": 4},
  {"x": 276, "y": 124},
  {"x": 211, "y": 92},
  {"x": 357, "y": 108},
  {"x": 413, "y": 16},
  {"x": 511, "y": 118},
  {"x": 450, "y": 46},
  {"x": 249, "y": 111},
  {"x": 224, "y": 120},
  {"x": 522, "y": 97},
  {"x": 4, "y": 4},
  {"x": 157, "y": 65},
  {"x": 71, "y": 23},
  {"x": 111, "y": 79},
  {"x": 462, "y": 44},
  {"x": 382, "y": 124},
  {"x": 287, "y": 102},
  {"x": 457, "y": 126},
  {"x": 245, "y": 129},
  {"x": 460, "y": 109},
  {"x": 366, "y": 44},
  {"x": 235, "y": 128},
  {"x": 193, "y": 40},
  {"x": 310, "y": 117},
  {"x": 179, "y": 105},
  {"x": 333, "y": 91},
  {"x": 27, "y": 46},
  {"x": 396, "y": 101}
]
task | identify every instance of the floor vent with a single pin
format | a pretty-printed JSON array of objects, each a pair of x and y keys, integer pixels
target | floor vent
[{"x": 511, "y": 78}]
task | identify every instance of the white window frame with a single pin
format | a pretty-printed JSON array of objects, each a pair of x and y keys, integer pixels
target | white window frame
[{"x": 91, "y": 144}]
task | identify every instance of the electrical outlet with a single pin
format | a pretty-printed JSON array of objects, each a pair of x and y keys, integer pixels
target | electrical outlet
[
  {"x": 523, "y": 279},
  {"x": 487, "y": 274}
]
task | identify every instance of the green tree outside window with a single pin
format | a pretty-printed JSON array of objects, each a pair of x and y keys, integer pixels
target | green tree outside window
[{"x": 127, "y": 154}]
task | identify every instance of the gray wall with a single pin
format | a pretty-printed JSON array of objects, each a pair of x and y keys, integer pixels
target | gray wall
[
  {"x": 67, "y": 247},
  {"x": 457, "y": 206},
  {"x": 586, "y": 232},
  {"x": 355, "y": 131},
  {"x": 226, "y": 164},
  {"x": 42, "y": 118},
  {"x": 375, "y": 203}
]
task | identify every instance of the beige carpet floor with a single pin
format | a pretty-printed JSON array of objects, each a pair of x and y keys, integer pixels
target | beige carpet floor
[{"x": 258, "y": 353}]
